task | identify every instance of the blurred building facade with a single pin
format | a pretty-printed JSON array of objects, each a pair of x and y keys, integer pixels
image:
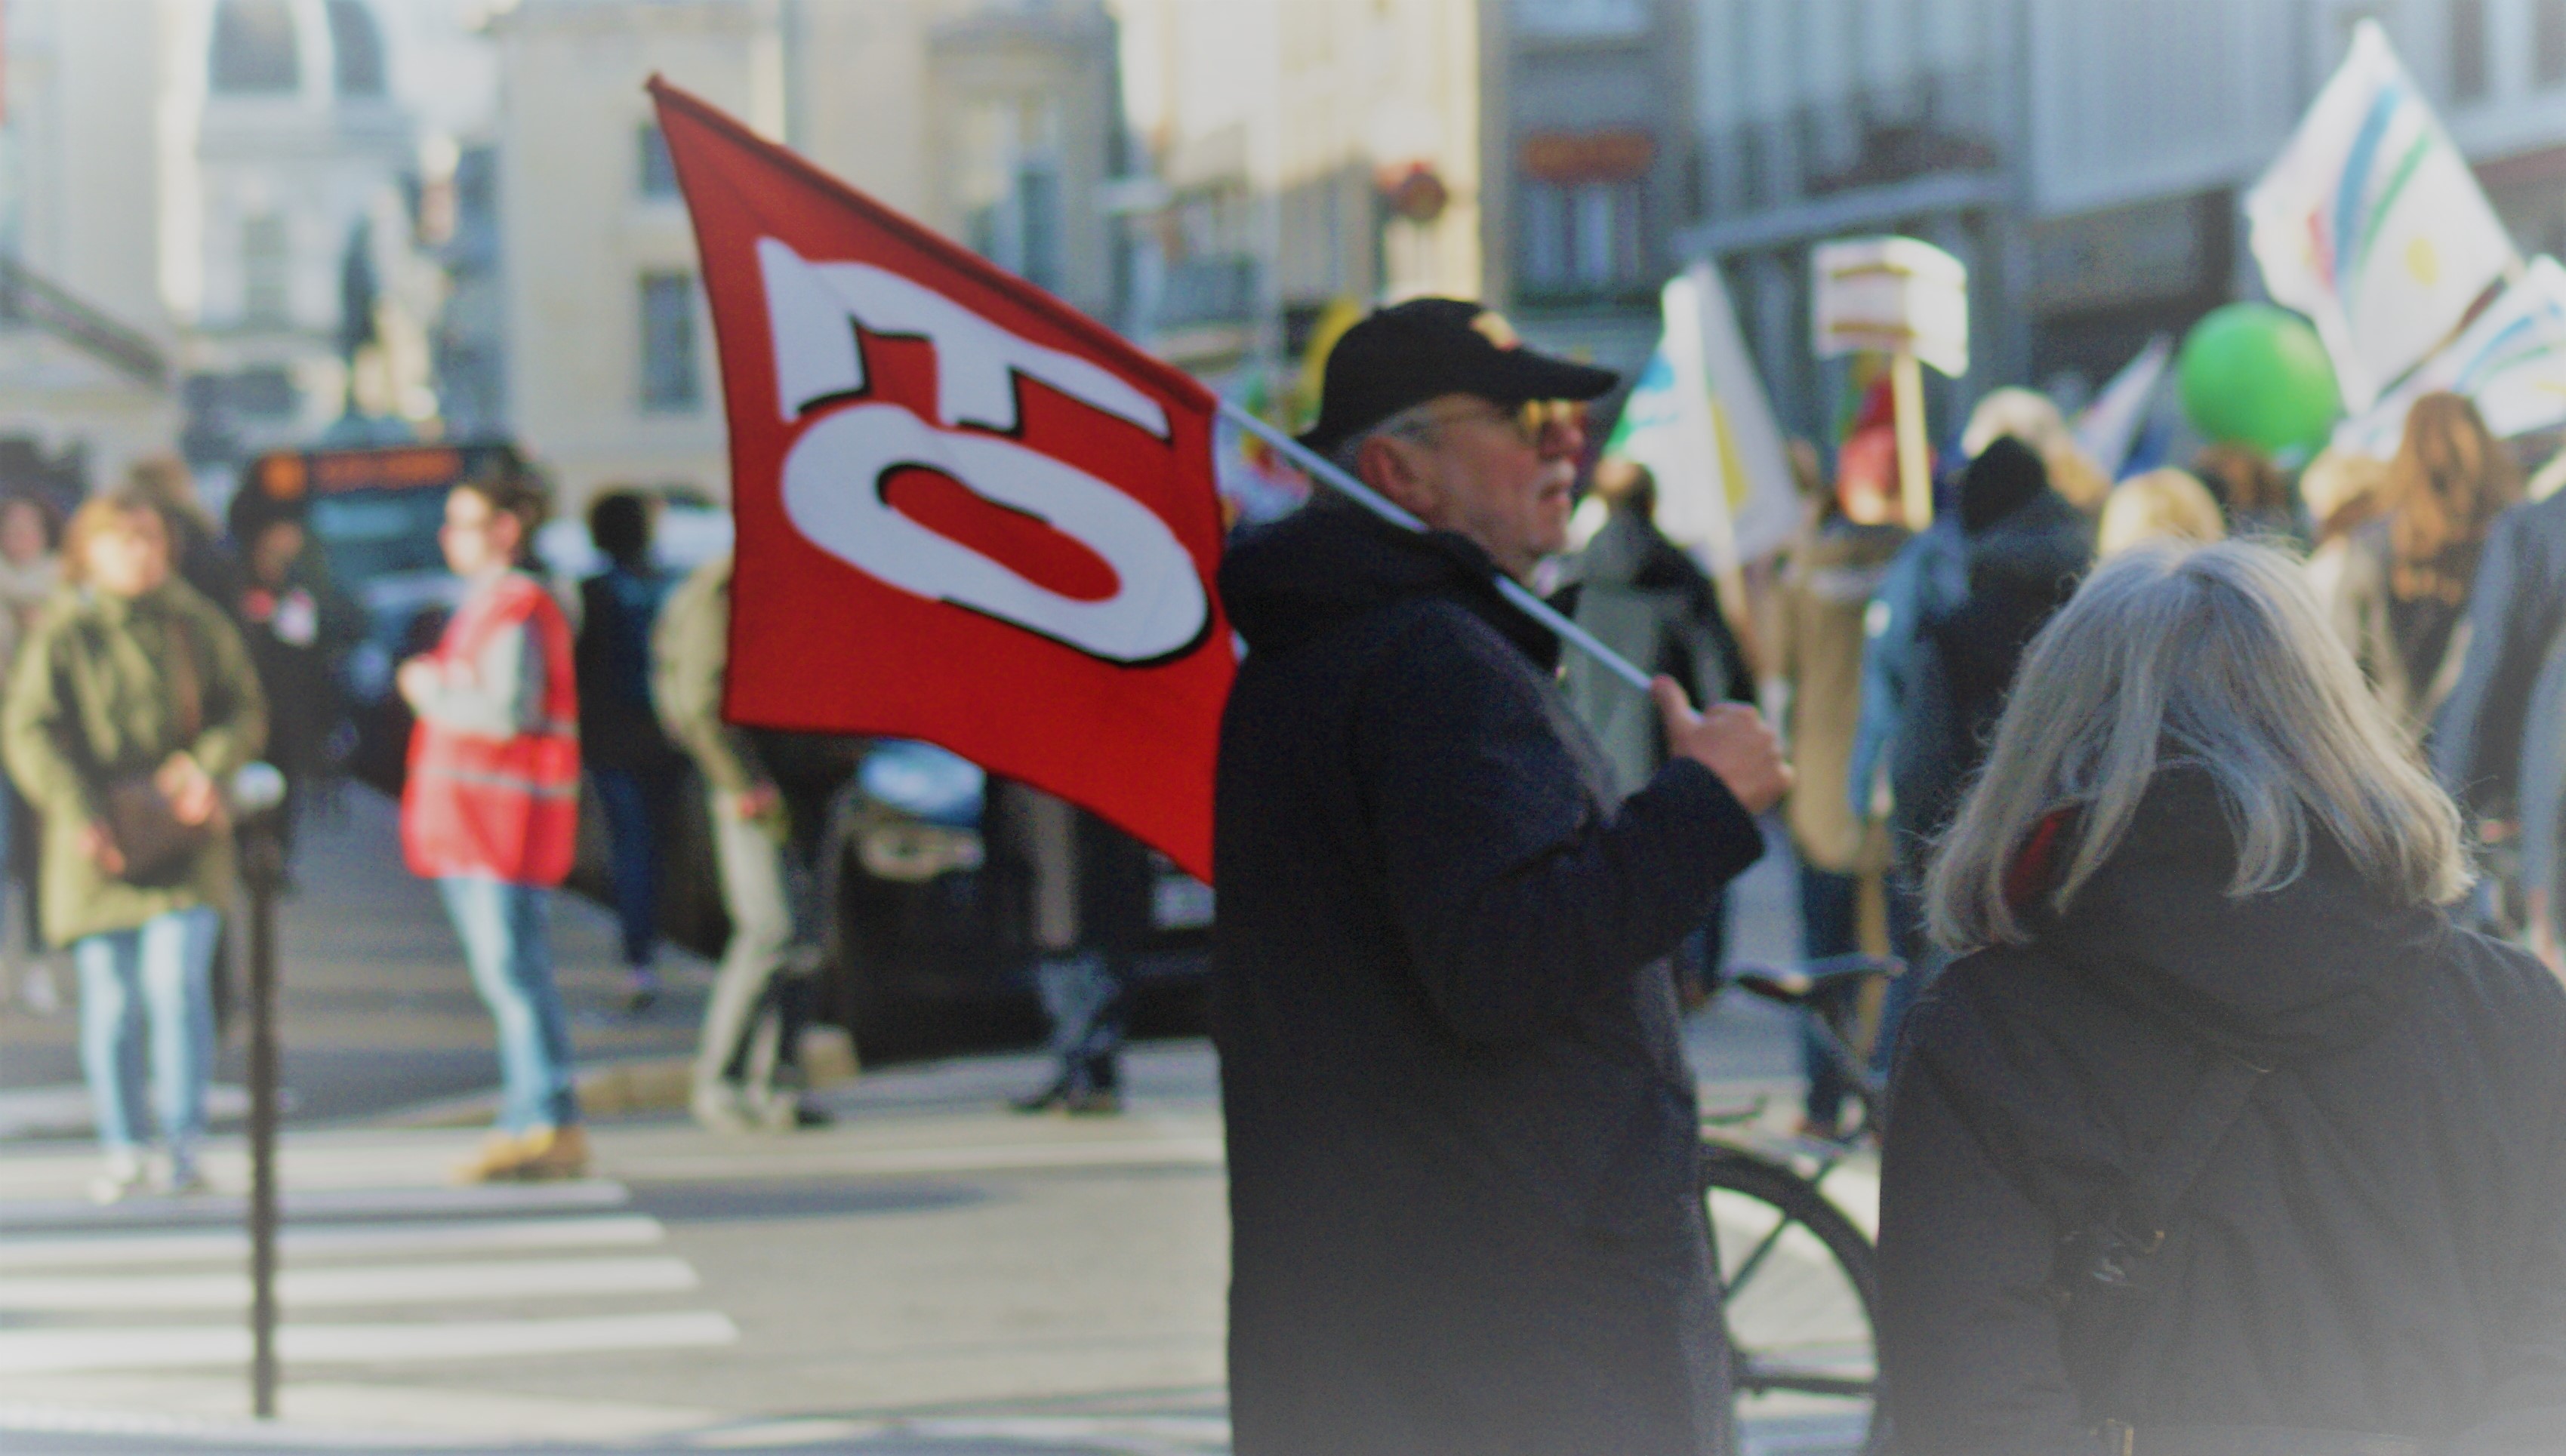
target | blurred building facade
[
  {"x": 993, "y": 123},
  {"x": 303, "y": 289},
  {"x": 1597, "y": 99},
  {"x": 2148, "y": 124},
  {"x": 1285, "y": 153},
  {"x": 2084, "y": 157},
  {"x": 1820, "y": 119},
  {"x": 211, "y": 231},
  {"x": 87, "y": 344}
]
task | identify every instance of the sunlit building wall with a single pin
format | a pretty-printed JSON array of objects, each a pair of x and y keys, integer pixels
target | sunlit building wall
[
  {"x": 1285, "y": 153},
  {"x": 991, "y": 122},
  {"x": 80, "y": 215}
]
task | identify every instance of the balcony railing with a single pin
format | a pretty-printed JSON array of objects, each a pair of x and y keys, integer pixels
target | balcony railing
[
  {"x": 28, "y": 300},
  {"x": 1933, "y": 124}
]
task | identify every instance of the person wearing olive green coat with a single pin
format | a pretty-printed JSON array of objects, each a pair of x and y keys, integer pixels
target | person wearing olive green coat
[{"x": 128, "y": 673}]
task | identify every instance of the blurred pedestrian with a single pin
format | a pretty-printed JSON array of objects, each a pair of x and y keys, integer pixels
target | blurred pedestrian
[
  {"x": 2034, "y": 418},
  {"x": 2163, "y": 504},
  {"x": 1959, "y": 605},
  {"x": 767, "y": 848},
  {"x": 131, "y": 703},
  {"x": 2341, "y": 492},
  {"x": 299, "y": 628},
  {"x": 629, "y": 760},
  {"x": 490, "y": 812},
  {"x": 1641, "y": 595},
  {"x": 2406, "y": 579},
  {"x": 1086, "y": 994},
  {"x": 29, "y": 573},
  {"x": 2494, "y": 748},
  {"x": 1826, "y": 585},
  {"x": 2252, "y": 492},
  {"x": 2219, "y": 1136},
  {"x": 1464, "y": 1159},
  {"x": 196, "y": 548}
]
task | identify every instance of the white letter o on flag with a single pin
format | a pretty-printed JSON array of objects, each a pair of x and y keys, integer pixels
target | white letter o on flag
[{"x": 833, "y": 493}]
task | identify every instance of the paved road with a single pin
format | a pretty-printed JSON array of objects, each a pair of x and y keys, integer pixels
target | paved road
[{"x": 930, "y": 1275}]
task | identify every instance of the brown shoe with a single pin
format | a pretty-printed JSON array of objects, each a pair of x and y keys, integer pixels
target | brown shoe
[
  {"x": 536, "y": 1153},
  {"x": 497, "y": 1160},
  {"x": 554, "y": 1153}
]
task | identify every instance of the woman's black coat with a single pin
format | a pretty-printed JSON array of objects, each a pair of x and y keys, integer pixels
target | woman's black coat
[
  {"x": 1462, "y": 1141},
  {"x": 2379, "y": 1244}
]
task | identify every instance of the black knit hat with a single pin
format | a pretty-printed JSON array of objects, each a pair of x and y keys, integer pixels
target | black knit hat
[
  {"x": 2002, "y": 480},
  {"x": 1423, "y": 348}
]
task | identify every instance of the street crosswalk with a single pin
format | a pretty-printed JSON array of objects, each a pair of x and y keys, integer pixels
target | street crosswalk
[{"x": 370, "y": 1272}]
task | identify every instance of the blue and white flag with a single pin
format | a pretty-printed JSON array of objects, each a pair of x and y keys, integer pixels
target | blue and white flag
[
  {"x": 2371, "y": 225},
  {"x": 2511, "y": 362}
]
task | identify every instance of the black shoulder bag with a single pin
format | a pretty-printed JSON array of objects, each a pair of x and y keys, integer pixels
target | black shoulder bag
[{"x": 2105, "y": 1274}]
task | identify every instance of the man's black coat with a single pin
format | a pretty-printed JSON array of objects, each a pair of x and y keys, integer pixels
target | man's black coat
[{"x": 1462, "y": 1139}]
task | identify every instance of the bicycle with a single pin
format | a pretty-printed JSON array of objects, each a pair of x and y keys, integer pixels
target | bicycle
[{"x": 1799, "y": 1279}]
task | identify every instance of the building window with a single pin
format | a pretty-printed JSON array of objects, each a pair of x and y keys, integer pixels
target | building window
[
  {"x": 2548, "y": 42},
  {"x": 357, "y": 47},
  {"x": 669, "y": 343},
  {"x": 267, "y": 266},
  {"x": 1009, "y": 180},
  {"x": 253, "y": 51},
  {"x": 659, "y": 169},
  {"x": 262, "y": 392},
  {"x": 1584, "y": 237},
  {"x": 2468, "y": 50}
]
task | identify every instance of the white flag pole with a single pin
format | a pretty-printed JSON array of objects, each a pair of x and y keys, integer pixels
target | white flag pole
[{"x": 1331, "y": 474}]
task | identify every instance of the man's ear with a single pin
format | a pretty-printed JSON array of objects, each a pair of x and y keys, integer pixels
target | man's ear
[{"x": 1384, "y": 464}]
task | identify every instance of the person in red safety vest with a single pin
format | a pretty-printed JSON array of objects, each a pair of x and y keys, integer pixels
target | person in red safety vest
[{"x": 490, "y": 812}]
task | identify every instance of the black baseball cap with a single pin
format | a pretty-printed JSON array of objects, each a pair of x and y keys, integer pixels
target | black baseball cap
[{"x": 1423, "y": 348}]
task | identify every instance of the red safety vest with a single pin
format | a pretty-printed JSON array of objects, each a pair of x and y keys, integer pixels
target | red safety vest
[{"x": 502, "y": 807}]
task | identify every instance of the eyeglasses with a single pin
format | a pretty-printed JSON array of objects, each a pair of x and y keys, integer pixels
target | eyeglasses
[{"x": 1541, "y": 424}]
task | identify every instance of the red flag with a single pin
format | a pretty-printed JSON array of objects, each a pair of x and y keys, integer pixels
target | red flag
[{"x": 967, "y": 513}]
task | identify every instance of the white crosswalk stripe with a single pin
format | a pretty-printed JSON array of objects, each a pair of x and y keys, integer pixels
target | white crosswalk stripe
[
  {"x": 476, "y": 1236},
  {"x": 394, "y": 1273}
]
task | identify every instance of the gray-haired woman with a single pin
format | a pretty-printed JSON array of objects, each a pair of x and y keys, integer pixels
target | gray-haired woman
[{"x": 2220, "y": 1137}]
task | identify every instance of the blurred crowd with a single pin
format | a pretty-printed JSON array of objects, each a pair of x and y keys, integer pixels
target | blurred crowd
[{"x": 1885, "y": 654}]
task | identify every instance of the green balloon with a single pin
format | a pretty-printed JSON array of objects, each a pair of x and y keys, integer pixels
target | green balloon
[{"x": 2255, "y": 374}]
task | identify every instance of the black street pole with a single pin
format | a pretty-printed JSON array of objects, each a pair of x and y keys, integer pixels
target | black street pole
[{"x": 256, "y": 794}]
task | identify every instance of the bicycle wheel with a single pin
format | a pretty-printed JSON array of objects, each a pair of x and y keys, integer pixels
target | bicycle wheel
[{"x": 1799, "y": 1287}]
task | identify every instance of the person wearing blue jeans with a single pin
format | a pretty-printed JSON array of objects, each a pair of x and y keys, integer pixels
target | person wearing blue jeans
[
  {"x": 156, "y": 975},
  {"x": 506, "y": 944},
  {"x": 638, "y": 804},
  {"x": 1829, "y": 926},
  {"x": 127, "y": 708},
  {"x": 630, "y": 759},
  {"x": 490, "y": 812}
]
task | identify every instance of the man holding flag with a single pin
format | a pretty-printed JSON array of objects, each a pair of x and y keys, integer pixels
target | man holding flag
[
  {"x": 1463, "y": 1154},
  {"x": 1462, "y": 1147}
]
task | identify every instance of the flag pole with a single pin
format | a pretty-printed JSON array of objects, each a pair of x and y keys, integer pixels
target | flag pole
[{"x": 1336, "y": 477}]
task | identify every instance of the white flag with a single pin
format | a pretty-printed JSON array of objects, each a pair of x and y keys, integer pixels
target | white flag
[
  {"x": 1698, "y": 419},
  {"x": 2371, "y": 225},
  {"x": 2511, "y": 362}
]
